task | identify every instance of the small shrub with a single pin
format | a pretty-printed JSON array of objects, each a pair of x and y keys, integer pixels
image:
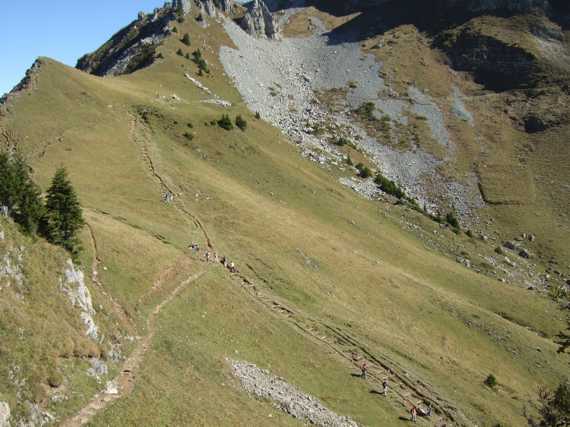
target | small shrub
[
  {"x": 364, "y": 172},
  {"x": 225, "y": 122},
  {"x": 490, "y": 381},
  {"x": 389, "y": 187},
  {"x": 189, "y": 136},
  {"x": 159, "y": 55},
  {"x": 349, "y": 161},
  {"x": 452, "y": 220},
  {"x": 352, "y": 84},
  {"x": 174, "y": 30},
  {"x": 186, "y": 39},
  {"x": 257, "y": 115},
  {"x": 181, "y": 20},
  {"x": 469, "y": 234},
  {"x": 190, "y": 125},
  {"x": 179, "y": 52},
  {"x": 499, "y": 250},
  {"x": 199, "y": 60},
  {"x": 553, "y": 406},
  {"x": 366, "y": 110},
  {"x": 241, "y": 123},
  {"x": 187, "y": 56},
  {"x": 54, "y": 379},
  {"x": 341, "y": 142}
]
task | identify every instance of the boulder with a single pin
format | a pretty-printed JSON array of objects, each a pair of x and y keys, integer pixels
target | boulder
[
  {"x": 510, "y": 245},
  {"x": 523, "y": 253}
]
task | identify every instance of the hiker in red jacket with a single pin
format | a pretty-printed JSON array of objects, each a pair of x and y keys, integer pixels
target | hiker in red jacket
[
  {"x": 414, "y": 413},
  {"x": 363, "y": 370}
]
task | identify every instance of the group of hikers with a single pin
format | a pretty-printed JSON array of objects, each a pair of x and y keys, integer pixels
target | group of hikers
[
  {"x": 211, "y": 256},
  {"x": 415, "y": 409}
]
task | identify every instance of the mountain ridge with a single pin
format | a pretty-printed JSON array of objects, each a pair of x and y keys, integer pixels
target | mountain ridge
[{"x": 323, "y": 279}]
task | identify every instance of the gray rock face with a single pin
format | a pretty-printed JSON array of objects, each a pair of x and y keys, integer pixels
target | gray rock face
[
  {"x": 209, "y": 7},
  {"x": 259, "y": 21},
  {"x": 4, "y": 414},
  {"x": 73, "y": 285},
  {"x": 183, "y": 6},
  {"x": 225, "y": 6}
]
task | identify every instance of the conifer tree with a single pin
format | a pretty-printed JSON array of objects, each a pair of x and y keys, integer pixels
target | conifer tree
[
  {"x": 63, "y": 218},
  {"x": 19, "y": 193}
]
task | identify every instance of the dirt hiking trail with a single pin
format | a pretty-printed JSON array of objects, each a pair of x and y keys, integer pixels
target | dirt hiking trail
[{"x": 124, "y": 383}]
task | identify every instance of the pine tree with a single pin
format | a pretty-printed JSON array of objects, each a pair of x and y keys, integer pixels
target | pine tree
[
  {"x": 19, "y": 193},
  {"x": 63, "y": 218},
  {"x": 28, "y": 209}
]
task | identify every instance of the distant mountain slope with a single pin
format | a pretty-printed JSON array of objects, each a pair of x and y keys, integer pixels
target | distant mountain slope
[{"x": 317, "y": 278}]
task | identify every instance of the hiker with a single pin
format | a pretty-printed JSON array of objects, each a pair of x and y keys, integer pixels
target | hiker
[
  {"x": 414, "y": 414},
  {"x": 363, "y": 370},
  {"x": 232, "y": 267},
  {"x": 385, "y": 387},
  {"x": 207, "y": 256}
]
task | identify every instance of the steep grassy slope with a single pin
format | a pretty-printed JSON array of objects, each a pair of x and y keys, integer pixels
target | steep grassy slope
[{"x": 327, "y": 278}]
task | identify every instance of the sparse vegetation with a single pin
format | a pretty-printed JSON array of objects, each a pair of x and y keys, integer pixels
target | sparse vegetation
[
  {"x": 366, "y": 111},
  {"x": 342, "y": 141},
  {"x": 189, "y": 136},
  {"x": 241, "y": 123},
  {"x": 452, "y": 220},
  {"x": 199, "y": 60},
  {"x": 490, "y": 381},
  {"x": 389, "y": 187},
  {"x": 186, "y": 39},
  {"x": 364, "y": 171},
  {"x": 179, "y": 52},
  {"x": 554, "y": 407},
  {"x": 225, "y": 122},
  {"x": 258, "y": 115}
]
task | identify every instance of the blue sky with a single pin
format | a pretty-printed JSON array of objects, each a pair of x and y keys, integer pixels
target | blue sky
[{"x": 61, "y": 29}]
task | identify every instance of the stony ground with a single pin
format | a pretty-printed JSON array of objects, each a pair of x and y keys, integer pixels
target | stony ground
[
  {"x": 279, "y": 79},
  {"x": 286, "y": 397}
]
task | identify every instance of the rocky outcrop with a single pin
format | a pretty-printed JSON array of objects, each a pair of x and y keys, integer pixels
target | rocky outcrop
[
  {"x": 132, "y": 48},
  {"x": 495, "y": 64},
  {"x": 73, "y": 285},
  {"x": 182, "y": 6},
  {"x": 209, "y": 7},
  {"x": 225, "y": 6},
  {"x": 259, "y": 21},
  {"x": 26, "y": 84},
  {"x": 4, "y": 414}
]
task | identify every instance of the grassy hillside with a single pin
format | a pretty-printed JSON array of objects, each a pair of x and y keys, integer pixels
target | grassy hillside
[{"x": 326, "y": 277}]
